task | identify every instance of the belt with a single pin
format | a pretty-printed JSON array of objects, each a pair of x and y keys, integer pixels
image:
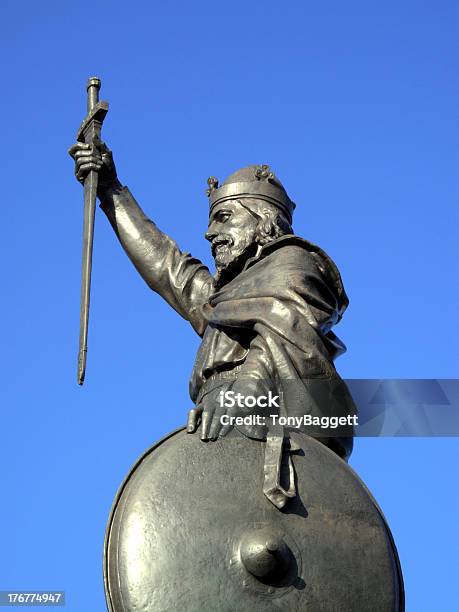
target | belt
[{"x": 225, "y": 374}]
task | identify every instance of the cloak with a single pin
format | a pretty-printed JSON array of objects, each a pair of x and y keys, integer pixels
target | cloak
[{"x": 272, "y": 325}]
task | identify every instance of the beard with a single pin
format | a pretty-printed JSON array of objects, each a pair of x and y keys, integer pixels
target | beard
[{"x": 230, "y": 256}]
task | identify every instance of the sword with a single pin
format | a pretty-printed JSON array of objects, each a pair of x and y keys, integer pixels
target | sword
[{"x": 88, "y": 133}]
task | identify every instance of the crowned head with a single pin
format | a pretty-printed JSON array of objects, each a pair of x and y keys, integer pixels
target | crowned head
[{"x": 250, "y": 209}]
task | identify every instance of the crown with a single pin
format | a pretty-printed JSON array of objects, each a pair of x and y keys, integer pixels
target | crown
[{"x": 251, "y": 182}]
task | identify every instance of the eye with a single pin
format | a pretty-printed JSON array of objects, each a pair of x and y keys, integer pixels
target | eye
[{"x": 223, "y": 216}]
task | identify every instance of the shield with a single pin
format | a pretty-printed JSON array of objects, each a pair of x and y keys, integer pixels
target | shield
[{"x": 191, "y": 530}]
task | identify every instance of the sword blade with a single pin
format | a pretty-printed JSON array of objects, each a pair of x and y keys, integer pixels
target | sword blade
[{"x": 90, "y": 192}]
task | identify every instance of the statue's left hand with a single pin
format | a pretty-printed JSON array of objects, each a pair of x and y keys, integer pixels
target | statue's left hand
[{"x": 209, "y": 412}]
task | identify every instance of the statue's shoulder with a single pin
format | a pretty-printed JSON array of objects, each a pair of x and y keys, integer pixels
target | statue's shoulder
[
  {"x": 294, "y": 247},
  {"x": 290, "y": 243}
]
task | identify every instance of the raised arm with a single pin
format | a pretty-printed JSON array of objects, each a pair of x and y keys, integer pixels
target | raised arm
[{"x": 183, "y": 281}]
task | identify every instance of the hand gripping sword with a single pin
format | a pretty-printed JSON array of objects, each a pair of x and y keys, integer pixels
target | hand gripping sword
[{"x": 88, "y": 133}]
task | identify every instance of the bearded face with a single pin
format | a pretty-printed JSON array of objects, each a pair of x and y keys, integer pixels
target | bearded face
[{"x": 231, "y": 233}]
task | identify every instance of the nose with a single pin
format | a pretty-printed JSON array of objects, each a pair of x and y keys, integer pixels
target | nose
[{"x": 210, "y": 234}]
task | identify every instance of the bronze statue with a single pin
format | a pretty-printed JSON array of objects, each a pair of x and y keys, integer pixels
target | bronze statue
[{"x": 265, "y": 319}]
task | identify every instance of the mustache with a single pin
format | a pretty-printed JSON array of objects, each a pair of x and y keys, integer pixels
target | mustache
[{"x": 221, "y": 239}]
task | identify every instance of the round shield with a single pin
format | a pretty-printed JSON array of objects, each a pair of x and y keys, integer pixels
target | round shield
[{"x": 190, "y": 530}]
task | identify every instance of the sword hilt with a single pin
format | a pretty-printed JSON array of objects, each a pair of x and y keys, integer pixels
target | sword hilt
[
  {"x": 92, "y": 88},
  {"x": 96, "y": 111}
]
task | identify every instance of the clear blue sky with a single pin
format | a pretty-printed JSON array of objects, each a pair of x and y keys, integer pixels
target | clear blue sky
[{"x": 354, "y": 104}]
